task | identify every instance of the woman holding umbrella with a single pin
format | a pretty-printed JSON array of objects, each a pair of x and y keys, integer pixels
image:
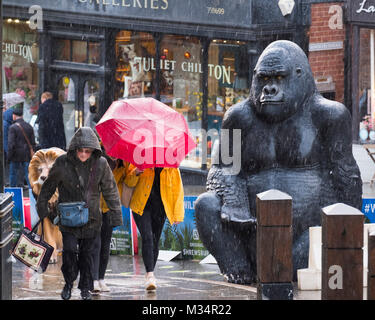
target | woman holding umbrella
[
  {"x": 158, "y": 194},
  {"x": 154, "y": 139}
]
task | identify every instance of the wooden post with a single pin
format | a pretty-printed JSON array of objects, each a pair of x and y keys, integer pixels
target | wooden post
[
  {"x": 371, "y": 267},
  {"x": 274, "y": 245},
  {"x": 342, "y": 253}
]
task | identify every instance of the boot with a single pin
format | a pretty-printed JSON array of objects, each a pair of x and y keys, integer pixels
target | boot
[
  {"x": 85, "y": 294},
  {"x": 66, "y": 293}
]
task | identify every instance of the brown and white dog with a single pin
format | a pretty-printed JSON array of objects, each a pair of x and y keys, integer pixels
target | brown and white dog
[{"x": 39, "y": 168}]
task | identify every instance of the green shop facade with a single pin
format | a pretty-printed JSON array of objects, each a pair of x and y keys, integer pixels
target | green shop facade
[{"x": 195, "y": 56}]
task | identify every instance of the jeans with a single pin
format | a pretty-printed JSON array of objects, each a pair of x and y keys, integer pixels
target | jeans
[
  {"x": 102, "y": 249},
  {"x": 77, "y": 258},
  {"x": 14, "y": 169}
]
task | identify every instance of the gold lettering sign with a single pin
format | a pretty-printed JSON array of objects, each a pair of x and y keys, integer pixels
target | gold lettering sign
[{"x": 142, "y": 4}]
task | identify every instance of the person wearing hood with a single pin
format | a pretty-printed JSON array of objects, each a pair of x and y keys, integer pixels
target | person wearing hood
[{"x": 70, "y": 175}]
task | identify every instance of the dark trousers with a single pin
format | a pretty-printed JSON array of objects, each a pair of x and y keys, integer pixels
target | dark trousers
[
  {"x": 18, "y": 168},
  {"x": 102, "y": 248},
  {"x": 77, "y": 258},
  {"x": 150, "y": 225}
]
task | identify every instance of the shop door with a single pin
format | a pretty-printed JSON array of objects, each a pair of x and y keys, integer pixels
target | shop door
[{"x": 79, "y": 96}]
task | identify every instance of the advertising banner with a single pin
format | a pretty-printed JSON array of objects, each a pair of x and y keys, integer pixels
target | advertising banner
[
  {"x": 184, "y": 237},
  {"x": 121, "y": 242},
  {"x": 18, "y": 210}
]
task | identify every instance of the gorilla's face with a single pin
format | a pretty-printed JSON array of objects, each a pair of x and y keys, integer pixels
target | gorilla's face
[{"x": 277, "y": 90}]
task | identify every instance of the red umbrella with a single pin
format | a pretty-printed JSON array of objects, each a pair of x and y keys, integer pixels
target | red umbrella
[{"x": 145, "y": 132}]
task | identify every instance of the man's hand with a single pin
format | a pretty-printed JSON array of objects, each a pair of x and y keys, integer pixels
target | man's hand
[{"x": 138, "y": 171}]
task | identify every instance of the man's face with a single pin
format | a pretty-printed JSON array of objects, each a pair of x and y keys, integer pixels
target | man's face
[{"x": 84, "y": 153}]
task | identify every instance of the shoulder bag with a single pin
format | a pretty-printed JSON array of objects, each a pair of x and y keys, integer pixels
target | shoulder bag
[
  {"x": 32, "y": 250},
  {"x": 76, "y": 214},
  {"x": 27, "y": 140}
]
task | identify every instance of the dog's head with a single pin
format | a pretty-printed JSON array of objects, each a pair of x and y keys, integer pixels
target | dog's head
[{"x": 40, "y": 165}]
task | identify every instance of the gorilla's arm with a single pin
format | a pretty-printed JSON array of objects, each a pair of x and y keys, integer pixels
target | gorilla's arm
[
  {"x": 231, "y": 188},
  {"x": 344, "y": 170}
]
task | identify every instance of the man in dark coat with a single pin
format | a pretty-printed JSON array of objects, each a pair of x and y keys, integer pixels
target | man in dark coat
[
  {"x": 19, "y": 155},
  {"x": 51, "y": 124},
  {"x": 70, "y": 175},
  {"x": 7, "y": 122}
]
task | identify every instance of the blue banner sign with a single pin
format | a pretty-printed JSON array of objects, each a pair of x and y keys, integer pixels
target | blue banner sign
[
  {"x": 18, "y": 218},
  {"x": 368, "y": 209}
]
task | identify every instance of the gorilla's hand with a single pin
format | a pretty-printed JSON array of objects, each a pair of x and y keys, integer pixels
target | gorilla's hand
[
  {"x": 236, "y": 214},
  {"x": 232, "y": 191}
]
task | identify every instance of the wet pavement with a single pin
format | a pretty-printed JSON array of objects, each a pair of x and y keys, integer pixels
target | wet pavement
[{"x": 177, "y": 279}]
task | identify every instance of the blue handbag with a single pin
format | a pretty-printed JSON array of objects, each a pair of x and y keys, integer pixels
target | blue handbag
[
  {"x": 76, "y": 214},
  {"x": 73, "y": 214}
]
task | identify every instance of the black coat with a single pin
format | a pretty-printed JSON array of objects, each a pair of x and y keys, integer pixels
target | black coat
[
  {"x": 18, "y": 149},
  {"x": 51, "y": 125},
  {"x": 63, "y": 175}
]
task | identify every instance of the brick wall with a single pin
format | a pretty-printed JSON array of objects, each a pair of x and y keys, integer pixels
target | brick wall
[{"x": 329, "y": 62}]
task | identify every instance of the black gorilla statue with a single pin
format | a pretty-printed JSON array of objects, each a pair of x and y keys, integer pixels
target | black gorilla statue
[{"x": 293, "y": 140}]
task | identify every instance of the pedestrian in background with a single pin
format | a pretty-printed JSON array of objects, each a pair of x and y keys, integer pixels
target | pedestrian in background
[
  {"x": 102, "y": 245},
  {"x": 158, "y": 194},
  {"x": 21, "y": 142},
  {"x": 70, "y": 174},
  {"x": 51, "y": 123},
  {"x": 7, "y": 122}
]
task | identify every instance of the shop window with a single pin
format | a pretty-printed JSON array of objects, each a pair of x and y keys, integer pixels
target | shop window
[
  {"x": 135, "y": 65},
  {"x": 94, "y": 53},
  {"x": 79, "y": 51},
  {"x": 91, "y": 103},
  {"x": 181, "y": 87},
  {"x": 20, "y": 55},
  {"x": 66, "y": 95},
  {"x": 76, "y": 51},
  {"x": 62, "y": 49},
  {"x": 366, "y": 90},
  {"x": 228, "y": 83}
]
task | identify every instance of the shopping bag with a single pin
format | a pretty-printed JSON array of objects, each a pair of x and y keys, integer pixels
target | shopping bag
[
  {"x": 32, "y": 250},
  {"x": 73, "y": 214}
]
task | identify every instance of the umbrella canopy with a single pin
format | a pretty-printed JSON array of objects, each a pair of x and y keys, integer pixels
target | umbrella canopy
[
  {"x": 145, "y": 132},
  {"x": 13, "y": 98}
]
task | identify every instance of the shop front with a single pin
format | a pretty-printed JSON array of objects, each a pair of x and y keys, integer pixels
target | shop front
[
  {"x": 197, "y": 57},
  {"x": 361, "y": 18},
  {"x": 20, "y": 54}
]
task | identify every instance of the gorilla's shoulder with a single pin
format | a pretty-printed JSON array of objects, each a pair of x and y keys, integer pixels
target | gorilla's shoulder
[
  {"x": 329, "y": 110},
  {"x": 238, "y": 116}
]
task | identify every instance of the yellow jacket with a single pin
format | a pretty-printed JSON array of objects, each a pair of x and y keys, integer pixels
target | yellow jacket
[
  {"x": 119, "y": 174},
  {"x": 171, "y": 191}
]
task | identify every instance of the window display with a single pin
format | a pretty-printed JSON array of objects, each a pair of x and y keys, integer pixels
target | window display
[
  {"x": 181, "y": 85},
  {"x": 135, "y": 66},
  {"x": 366, "y": 86},
  {"x": 228, "y": 83},
  {"x": 180, "y": 80},
  {"x": 20, "y": 57}
]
